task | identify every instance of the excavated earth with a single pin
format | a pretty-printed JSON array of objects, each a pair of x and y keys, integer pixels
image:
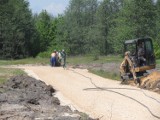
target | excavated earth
[
  {"x": 152, "y": 82},
  {"x": 23, "y": 97}
]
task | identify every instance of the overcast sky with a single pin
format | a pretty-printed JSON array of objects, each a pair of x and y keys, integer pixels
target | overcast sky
[{"x": 54, "y": 7}]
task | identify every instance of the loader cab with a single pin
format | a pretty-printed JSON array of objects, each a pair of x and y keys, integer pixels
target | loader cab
[{"x": 141, "y": 50}]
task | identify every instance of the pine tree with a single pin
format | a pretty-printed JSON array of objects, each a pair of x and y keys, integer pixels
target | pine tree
[
  {"x": 43, "y": 26},
  {"x": 135, "y": 19},
  {"x": 79, "y": 20}
]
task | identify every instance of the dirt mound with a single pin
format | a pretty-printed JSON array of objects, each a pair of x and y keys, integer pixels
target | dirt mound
[
  {"x": 26, "y": 98},
  {"x": 151, "y": 82}
]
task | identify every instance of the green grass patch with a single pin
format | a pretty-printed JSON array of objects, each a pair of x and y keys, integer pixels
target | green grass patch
[
  {"x": 105, "y": 74},
  {"x": 70, "y": 60},
  {"x": 93, "y": 59},
  {"x": 6, "y": 73},
  {"x": 2, "y": 79},
  {"x": 25, "y": 61},
  {"x": 158, "y": 61},
  {"x": 84, "y": 116},
  {"x": 158, "y": 64}
]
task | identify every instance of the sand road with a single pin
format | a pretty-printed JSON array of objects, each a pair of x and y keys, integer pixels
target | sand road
[{"x": 100, "y": 98}]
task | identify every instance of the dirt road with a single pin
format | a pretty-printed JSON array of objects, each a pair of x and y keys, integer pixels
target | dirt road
[{"x": 100, "y": 98}]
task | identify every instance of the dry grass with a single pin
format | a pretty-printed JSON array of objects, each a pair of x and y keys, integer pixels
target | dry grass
[{"x": 6, "y": 73}]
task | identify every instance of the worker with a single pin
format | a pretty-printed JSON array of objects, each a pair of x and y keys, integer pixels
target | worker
[
  {"x": 63, "y": 54},
  {"x": 141, "y": 53},
  {"x": 53, "y": 58},
  {"x": 59, "y": 56}
]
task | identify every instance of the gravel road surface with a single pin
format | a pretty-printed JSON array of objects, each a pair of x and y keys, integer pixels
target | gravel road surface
[{"x": 100, "y": 98}]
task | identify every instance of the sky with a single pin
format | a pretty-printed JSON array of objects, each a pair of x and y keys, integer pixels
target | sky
[{"x": 53, "y": 7}]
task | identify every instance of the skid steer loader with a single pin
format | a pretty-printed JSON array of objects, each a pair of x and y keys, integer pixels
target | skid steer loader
[{"x": 138, "y": 59}]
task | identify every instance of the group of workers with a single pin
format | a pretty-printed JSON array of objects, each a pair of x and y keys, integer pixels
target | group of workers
[{"x": 57, "y": 57}]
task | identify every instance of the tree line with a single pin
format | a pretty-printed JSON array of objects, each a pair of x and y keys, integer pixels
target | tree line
[{"x": 86, "y": 27}]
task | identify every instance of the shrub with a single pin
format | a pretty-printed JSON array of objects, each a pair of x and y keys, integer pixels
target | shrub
[
  {"x": 45, "y": 54},
  {"x": 157, "y": 50}
]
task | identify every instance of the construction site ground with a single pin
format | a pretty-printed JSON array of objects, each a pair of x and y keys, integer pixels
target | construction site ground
[
  {"x": 25, "y": 98},
  {"x": 98, "y": 97}
]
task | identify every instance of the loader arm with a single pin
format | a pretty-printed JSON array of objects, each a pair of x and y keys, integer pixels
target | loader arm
[{"x": 127, "y": 67}]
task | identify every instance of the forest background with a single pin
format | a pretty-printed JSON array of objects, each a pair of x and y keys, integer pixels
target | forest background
[{"x": 86, "y": 27}]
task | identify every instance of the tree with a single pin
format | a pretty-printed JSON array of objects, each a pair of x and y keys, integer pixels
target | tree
[
  {"x": 135, "y": 19},
  {"x": 16, "y": 29},
  {"x": 43, "y": 26},
  {"x": 143, "y": 17},
  {"x": 79, "y": 19},
  {"x": 106, "y": 15},
  {"x": 157, "y": 42},
  {"x": 58, "y": 34}
]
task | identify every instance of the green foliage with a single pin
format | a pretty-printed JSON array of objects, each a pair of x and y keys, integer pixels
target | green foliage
[
  {"x": 157, "y": 50},
  {"x": 79, "y": 21},
  {"x": 157, "y": 42},
  {"x": 96, "y": 57},
  {"x": 86, "y": 27},
  {"x": 106, "y": 14},
  {"x": 132, "y": 21},
  {"x": 45, "y": 29},
  {"x": 59, "y": 41},
  {"x": 45, "y": 54},
  {"x": 17, "y": 29}
]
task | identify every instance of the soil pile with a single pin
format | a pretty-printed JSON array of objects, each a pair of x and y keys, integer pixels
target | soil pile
[
  {"x": 151, "y": 82},
  {"x": 23, "y": 97}
]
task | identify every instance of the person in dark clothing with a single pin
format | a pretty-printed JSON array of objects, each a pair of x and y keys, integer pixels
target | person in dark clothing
[
  {"x": 141, "y": 52},
  {"x": 63, "y": 53}
]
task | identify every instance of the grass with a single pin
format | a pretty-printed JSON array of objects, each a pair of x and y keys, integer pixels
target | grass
[
  {"x": 158, "y": 64},
  {"x": 105, "y": 74},
  {"x": 2, "y": 79},
  {"x": 93, "y": 59},
  {"x": 84, "y": 116},
  {"x": 96, "y": 60},
  {"x": 70, "y": 60},
  {"x": 6, "y": 73},
  {"x": 25, "y": 61},
  {"x": 158, "y": 61}
]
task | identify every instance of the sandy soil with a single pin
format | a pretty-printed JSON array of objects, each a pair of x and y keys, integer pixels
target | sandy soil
[{"x": 100, "y": 98}]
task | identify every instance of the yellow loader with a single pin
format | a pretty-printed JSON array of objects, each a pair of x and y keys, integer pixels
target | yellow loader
[{"x": 138, "y": 59}]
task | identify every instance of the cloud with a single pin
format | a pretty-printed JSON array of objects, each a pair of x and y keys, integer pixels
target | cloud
[{"x": 55, "y": 8}]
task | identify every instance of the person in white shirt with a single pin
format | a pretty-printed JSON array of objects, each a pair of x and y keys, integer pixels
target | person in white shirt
[{"x": 53, "y": 58}]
